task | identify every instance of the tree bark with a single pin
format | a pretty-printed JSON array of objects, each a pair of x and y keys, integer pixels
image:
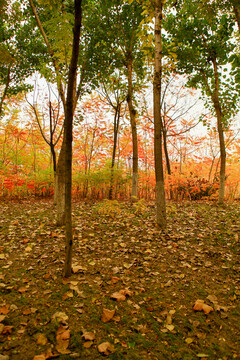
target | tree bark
[
  {"x": 59, "y": 194},
  {"x": 4, "y": 95},
  {"x": 132, "y": 113},
  {"x": 158, "y": 156},
  {"x": 115, "y": 137},
  {"x": 217, "y": 107},
  {"x": 68, "y": 126},
  {"x": 236, "y": 8}
]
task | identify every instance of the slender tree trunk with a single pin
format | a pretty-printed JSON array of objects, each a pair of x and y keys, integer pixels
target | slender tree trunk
[
  {"x": 59, "y": 194},
  {"x": 217, "y": 107},
  {"x": 236, "y": 8},
  {"x": 166, "y": 151},
  {"x": 115, "y": 138},
  {"x": 222, "y": 154},
  {"x": 53, "y": 159},
  {"x": 4, "y": 95},
  {"x": 160, "y": 191},
  {"x": 133, "y": 113}
]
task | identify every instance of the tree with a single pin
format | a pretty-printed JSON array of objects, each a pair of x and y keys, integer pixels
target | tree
[
  {"x": 204, "y": 47},
  {"x": 121, "y": 21},
  {"x": 113, "y": 86},
  {"x": 69, "y": 104},
  {"x": 157, "y": 82},
  {"x": 54, "y": 121},
  {"x": 17, "y": 62}
]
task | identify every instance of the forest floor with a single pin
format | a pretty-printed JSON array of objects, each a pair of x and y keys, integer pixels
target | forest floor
[{"x": 134, "y": 288}]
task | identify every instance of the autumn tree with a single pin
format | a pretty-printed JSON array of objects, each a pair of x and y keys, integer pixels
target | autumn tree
[
  {"x": 121, "y": 21},
  {"x": 204, "y": 48},
  {"x": 49, "y": 120},
  {"x": 65, "y": 66},
  {"x": 113, "y": 93}
]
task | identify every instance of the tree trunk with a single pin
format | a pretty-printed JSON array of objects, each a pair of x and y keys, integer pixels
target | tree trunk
[
  {"x": 217, "y": 107},
  {"x": 68, "y": 127},
  {"x": 164, "y": 132},
  {"x": 4, "y": 95},
  {"x": 133, "y": 113},
  {"x": 59, "y": 194},
  {"x": 222, "y": 155},
  {"x": 160, "y": 191},
  {"x": 115, "y": 137},
  {"x": 236, "y": 8}
]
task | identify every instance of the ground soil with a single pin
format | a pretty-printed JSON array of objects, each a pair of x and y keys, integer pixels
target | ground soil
[{"x": 118, "y": 249}]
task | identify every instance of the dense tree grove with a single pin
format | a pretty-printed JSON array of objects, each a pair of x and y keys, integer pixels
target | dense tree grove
[{"x": 115, "y": 121}]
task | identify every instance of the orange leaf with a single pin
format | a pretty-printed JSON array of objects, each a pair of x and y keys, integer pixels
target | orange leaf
[
  {"x": 200, "y": 306},
  {"x": 4, "y": 310},
  {"x": 88, "y": 336},
  {"x": 63, "y": 336},
  {"x": 121, "y": 295},
  {"x": 107, "y": 315},
  {"x": 105, "y": 348}
]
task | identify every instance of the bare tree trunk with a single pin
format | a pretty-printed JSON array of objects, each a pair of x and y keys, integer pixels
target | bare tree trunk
[
  {"x": 166, "y": 151},
  {"x": 222, "y": 155},
  {"x": 133, "y": 113},
  {"x": 59, "y": 195},
  {"x": 4, "y": 95},
  {"x": 217, "y": 107},
  {"x": 68, "y": 127},
  {"x": 160, "y": 191},
  {"x": 115, "y": 137},
  {"x": 236, "y": 8}
]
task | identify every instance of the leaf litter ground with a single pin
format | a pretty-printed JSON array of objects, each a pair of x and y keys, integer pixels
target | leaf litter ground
[{"x": 133, "y": 289}]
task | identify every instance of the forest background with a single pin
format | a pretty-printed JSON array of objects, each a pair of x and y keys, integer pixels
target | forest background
[
  {"x": 138, "y": 100},
  {"x": 32, "y": 115}
]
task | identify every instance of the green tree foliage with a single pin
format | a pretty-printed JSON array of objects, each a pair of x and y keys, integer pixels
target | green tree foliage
[
  {"x": 20, "y": 52},
  {"x": 202, "y": 37}
]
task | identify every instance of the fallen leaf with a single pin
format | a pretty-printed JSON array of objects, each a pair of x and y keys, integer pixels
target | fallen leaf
[
  {"x": 107, "y": 315},
  {"x": 202, "y": 355},
  {"x": 169, "y": 320},
  {"x": 4, "y": 310},
  {"x": 116, "y": 318},
  {"x": 105, "y": 348},
  {"x": 88, "y": 344},
  {"x": 42, "y": 339},
  {"x": 200, "y": 306},
  {"x": 22, "y": 289},
  {"x": 28, "y": 249},
  {"x": 78, "y": 268},
  {"x": 212, "y": 298},
  {"x": 118, "y": 296},
  {"x": 92, "y": 263},
  {"x": 68, "y": 294},
  {"x": 170, "y": 327},
  {"x": 29, "y": 311},
  {"x": 75, "y": 288},
  {"x": 60, "y": 317},
  {"x": 40, "y": 357},
  {"x": 188, "y": 340},
  {"x": 7, "y": 330},
  {"x": 121, "y": 295},
  {"x": 62, "y": 337},
  {"x": 88, "y": 336},
  {"x": 2, "y": 317}
]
